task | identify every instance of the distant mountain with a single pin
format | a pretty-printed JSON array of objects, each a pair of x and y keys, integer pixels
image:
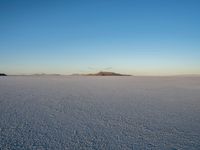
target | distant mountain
[
  {"x": 103, "y": 73},
  {"x": 3, "y": 74}
]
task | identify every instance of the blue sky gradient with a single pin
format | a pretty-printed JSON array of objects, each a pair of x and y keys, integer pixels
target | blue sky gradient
[{"x": 141, "y": 37}]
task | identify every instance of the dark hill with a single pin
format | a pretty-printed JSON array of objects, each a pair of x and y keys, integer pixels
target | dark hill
[
  {"x": 3, "y": 74},
  {"x": 103, "y": 73}
]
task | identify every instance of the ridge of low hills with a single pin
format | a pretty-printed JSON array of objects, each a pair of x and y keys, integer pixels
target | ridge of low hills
[{"x": 104, "y": 73}]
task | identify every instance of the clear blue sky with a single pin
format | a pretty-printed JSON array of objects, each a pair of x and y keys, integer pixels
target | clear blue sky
[{"x": 142, "y": 37}]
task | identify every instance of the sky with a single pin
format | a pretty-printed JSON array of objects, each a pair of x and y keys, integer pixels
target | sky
[{"x": 138, "y": 37}]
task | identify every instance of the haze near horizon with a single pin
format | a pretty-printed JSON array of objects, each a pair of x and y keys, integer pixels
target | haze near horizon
[{"x": 131, "y": 37}]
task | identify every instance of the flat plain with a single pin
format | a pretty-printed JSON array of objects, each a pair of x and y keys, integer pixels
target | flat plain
[{"x": 84, "y": 112}]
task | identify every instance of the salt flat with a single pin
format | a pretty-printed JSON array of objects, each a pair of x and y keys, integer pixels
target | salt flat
[{"x": 67, "y": 112}]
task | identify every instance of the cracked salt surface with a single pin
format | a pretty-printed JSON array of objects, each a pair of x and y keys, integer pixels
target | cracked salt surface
[{"x": 99, "y": 112}]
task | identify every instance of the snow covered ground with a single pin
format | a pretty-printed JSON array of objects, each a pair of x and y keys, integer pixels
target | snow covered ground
[{"x": 66, "y": 112}]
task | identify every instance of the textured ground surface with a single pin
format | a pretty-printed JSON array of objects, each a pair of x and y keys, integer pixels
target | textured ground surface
[{"x": 99, "y": 112}]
